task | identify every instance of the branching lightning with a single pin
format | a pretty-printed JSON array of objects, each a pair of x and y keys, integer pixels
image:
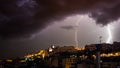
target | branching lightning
[{"x": 109, "y": 40}]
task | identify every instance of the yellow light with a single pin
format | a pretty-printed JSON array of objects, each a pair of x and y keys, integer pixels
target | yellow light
[
  {"x": 36, "y": 54},
  {"x": 9, "y": 60},
  {"x": 22, "y": 61},
  {"x": 43, "y": 55},
  {"x": 116, "y": 54},
  {"x": 103, "y": 55},
  {"x": 94, "y": 56}
]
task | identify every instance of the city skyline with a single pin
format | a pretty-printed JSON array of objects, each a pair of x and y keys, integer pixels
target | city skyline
[{"x": 29, "y": 25}]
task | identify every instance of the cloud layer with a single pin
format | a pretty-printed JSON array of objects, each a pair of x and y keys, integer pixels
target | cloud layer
[{"x": 22, "y": 18}]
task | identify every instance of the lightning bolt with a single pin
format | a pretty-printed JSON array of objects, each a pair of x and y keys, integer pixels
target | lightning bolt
[
  {"x": 76, "y": 33},
  {"x": 109, "y": 40},
  {"x": 76, "y": 30}
]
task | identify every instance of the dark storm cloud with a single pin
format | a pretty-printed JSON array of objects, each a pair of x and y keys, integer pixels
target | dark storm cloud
[
  {"x": 68, "y": 27},
  {"x": 21, "y": 18},
  {"x": 107, "y": 15}
]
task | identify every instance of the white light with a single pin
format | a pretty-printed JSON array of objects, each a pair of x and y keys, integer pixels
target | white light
[
  {"x": 109, "y": 40},
  {"x": 50, "y": 49},
  {"x": 53, "y": 46}
]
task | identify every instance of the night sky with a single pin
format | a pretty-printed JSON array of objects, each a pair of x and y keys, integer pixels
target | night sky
[{"x": 30, "y": 25}]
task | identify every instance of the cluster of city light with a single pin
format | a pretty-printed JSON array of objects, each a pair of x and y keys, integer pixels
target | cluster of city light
[
  {"x": 40, "y": 54},
  {"x": 83, "y": 57},
  {"x": 29, "y": 55},
  {"x": 116, "y": 54},
  {"x": 110, "y": 54},
  {"x": 77, "y": 48},
  {"x": 9, "y": 60}
]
